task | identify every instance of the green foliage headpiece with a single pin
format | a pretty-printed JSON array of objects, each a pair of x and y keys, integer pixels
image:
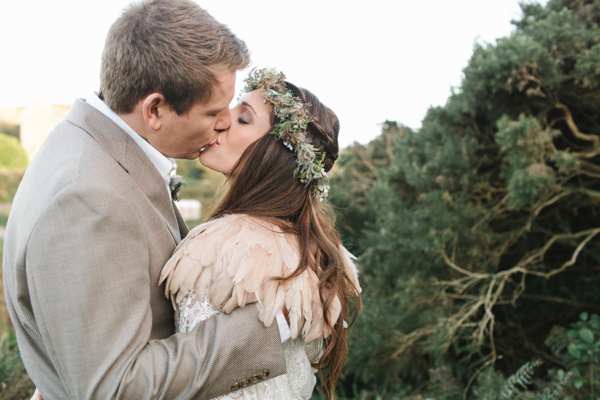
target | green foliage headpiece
[{"x": 292, "y": 120}]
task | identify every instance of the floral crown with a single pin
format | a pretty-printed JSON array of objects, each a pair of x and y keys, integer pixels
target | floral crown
[{"x": 293, "y": 119}]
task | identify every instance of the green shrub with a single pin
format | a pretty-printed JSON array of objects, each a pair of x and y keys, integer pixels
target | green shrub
[
  {"x": 522, "y": 385},
  {"x": 579, "y": 349},
  {"x": 12, "y": 154}
]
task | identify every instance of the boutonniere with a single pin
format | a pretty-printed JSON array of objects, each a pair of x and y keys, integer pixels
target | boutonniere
[{"x": 175, "y": 184}]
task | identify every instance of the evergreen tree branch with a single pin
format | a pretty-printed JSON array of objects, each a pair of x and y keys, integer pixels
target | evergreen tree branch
[
  {"x": 459, "y": 269},
  {"x": 497, "y": 284},
  {"x": 560, "y": 300},
  {"x": 573, "y": 127},
  {"x": 589, "y": 165},
  {"x": 367, "y": 162},
  {"x": 494, "y": 212},
  {"x": 406, "y": 341},
  {"x": 581, "y": 172},
  {"x": 469, "y": 310},
  {"x": 589, "y": 192},
  {"x": 537, "y": 255},
  {"x": 547, "y": 203},
  {"x": 389, "y": 147},
  {"x": 593, "y": 232},
  {"x": 472, "y": 379}
]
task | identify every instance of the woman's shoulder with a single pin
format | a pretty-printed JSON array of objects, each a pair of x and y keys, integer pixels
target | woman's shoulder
[
  {"x": 232, "y": 222},
  {"x": 241, "y": 229},
  {"x": 235, "y": 247}
]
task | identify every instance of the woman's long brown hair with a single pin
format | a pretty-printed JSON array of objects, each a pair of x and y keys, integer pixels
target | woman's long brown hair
[{"x": 263, "y": 184}]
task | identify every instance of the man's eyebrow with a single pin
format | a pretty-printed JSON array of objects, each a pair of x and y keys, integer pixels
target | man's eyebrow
[
  {"x": 249, "y": 106},
  {"x": 216, "y": 110}
]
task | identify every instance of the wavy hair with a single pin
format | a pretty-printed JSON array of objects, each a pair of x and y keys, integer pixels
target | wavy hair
[{"x": 263, "y": 184}]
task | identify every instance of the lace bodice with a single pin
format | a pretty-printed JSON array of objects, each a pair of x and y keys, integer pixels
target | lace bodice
[{"x": 300, "y": 379}]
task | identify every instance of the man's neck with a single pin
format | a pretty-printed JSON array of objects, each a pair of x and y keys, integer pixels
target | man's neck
[{"x": 135, "y": 120}]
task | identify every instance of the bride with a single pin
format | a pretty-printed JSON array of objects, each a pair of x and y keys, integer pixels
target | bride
[{"x": 271, "y": 239}]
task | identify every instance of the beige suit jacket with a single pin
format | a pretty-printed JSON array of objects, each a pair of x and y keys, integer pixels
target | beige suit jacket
[{"x": 91, "y": 227}]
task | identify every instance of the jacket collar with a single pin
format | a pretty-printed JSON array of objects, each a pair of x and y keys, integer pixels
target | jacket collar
[{"x": 129, "y": 156}]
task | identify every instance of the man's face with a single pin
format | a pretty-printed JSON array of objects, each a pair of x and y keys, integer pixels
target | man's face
[{"x": 184, "y": 135}]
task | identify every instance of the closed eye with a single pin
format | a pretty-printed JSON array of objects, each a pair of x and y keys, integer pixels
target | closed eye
[{"x": 241, "y": 121}]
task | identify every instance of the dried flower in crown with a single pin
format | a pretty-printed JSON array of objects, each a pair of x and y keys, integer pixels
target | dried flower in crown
[{"x": 293, "y": 118}]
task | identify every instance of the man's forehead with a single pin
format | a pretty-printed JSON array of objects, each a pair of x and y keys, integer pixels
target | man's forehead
[{"x": 223, "y": 90}]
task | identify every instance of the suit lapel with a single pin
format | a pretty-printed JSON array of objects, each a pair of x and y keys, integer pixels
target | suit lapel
[
  {"x": 153, "y": 185},
  {"x": 131, "y": 158},
  {"x": 183, "y": 228}
]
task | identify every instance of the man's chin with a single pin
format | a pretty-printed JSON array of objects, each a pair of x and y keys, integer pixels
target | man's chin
[{"x": 190, "y": 156}]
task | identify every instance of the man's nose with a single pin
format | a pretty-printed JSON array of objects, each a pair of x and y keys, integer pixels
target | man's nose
[{"x": 223, "y": 120}]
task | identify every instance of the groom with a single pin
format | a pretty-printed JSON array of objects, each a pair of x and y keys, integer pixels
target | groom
[{"x": 93, "y": 223}]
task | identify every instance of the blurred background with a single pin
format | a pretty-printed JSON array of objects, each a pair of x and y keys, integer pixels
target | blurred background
[{"x": 468, "y": 186}]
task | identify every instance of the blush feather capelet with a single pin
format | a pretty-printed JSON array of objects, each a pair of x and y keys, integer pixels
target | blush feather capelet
[{"x": 232, "y": 259}]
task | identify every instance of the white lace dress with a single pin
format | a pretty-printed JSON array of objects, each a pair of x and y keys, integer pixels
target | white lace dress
[{"x": 297, "y": 384}]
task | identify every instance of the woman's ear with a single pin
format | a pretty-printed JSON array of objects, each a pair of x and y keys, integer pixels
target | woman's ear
[{"x": 154, "y": 110}]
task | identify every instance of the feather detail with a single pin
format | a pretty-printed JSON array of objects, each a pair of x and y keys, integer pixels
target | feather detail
[
  {"x": 350, "y": 268},
  {"x": 236, "y": 259}
]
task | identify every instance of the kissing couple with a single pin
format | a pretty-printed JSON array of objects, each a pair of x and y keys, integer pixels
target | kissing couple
[{"x": 112, "y": 298}]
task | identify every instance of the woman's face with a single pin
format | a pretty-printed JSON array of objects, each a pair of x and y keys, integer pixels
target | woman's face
[{"x": 250, "y": 120}]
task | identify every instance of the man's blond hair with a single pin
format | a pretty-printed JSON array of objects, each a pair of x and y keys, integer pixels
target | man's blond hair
[{"x": 172, "y": 47}]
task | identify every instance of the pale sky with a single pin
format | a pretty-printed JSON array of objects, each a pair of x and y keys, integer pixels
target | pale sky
[{"x": 367, "y": 60}]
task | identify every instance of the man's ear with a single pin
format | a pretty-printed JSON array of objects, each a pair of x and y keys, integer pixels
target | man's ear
[{"x": 153, "y": 110}]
